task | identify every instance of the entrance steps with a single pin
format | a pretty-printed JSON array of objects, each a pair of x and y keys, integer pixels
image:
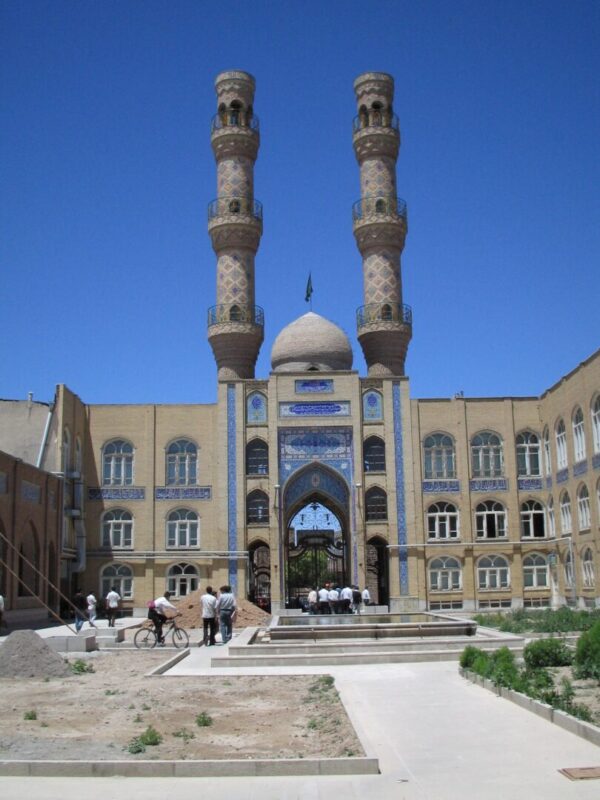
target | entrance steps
[{"x": 365, "y": 651}]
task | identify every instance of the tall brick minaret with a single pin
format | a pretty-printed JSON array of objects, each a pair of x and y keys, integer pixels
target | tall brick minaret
[
  {"x": 380, "y": 224},
  {"x": 235, "y": 324}
]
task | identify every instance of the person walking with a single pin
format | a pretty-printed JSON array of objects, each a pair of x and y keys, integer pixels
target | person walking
[
  {"x": 80, "y": 604},
  {"x": 356, "y": 600},
  {"x": 312, "y": 601},
  {"x": 91, "y": 608},
  {"x": 208, "y": 608},
  {"x": 113, "y": 598},
  {"x": 346, "y": 599},
  {"x": 366, "y": 596},
  {"x": 226, "y": 609}
]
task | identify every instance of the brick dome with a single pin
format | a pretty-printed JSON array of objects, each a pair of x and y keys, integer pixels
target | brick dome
[{"x": 311, "y": 343}]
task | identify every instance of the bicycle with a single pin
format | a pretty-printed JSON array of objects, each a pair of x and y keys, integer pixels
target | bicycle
[{"x": 146, "y": 637}]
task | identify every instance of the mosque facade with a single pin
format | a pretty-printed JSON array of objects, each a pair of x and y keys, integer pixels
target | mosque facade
[{"x": 315, "y": 473}]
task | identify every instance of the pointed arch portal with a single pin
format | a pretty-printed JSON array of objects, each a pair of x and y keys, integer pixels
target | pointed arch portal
[{"x": 316, "y": 533}]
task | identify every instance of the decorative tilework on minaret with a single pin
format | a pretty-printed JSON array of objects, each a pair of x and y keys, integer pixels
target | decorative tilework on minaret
[
  {"x": 235, "y": 324},
  {"x": 380, "y": 225}
]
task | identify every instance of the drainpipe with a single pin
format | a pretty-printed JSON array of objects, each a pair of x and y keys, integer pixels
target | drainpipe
[
  {"x": 45, "y": 437},
  {"x": 80, "y": 547}
]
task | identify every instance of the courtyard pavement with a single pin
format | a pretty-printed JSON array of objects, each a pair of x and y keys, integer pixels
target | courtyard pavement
[{"x": 437, "y": 737}]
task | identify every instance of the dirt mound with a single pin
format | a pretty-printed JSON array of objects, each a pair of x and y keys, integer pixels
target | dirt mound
[
  {"x": 247, "y": 613},
  {"x": 24, "y": 654}
]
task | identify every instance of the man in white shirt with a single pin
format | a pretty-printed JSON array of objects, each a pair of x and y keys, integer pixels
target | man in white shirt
[
  {"x": 226, "y": 609},
  {"x": 312, "y": 601},
  {"x": 208, "y": 608},
  {"x": 346, "y": 599},
  {"x": 113, "y": 598},
  {"x": 91, "y": 608},
  {"x": 323, "y": 600},
  {"x": 366, "y": 596},
  {"x": 333, "y": 597},
  {"x": 159, "y": 617}
]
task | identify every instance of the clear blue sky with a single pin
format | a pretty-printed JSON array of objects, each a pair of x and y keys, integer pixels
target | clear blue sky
[{"x": 107, "y": 268}]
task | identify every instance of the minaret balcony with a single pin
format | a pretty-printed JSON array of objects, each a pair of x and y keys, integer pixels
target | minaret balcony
[
  {"x": 379, "y": 314},
  {"x": 236, "y": 313},
  {"x": 235, "y": 221},
  {"x": 232, "y": 134},
  {"x": 378, "y": 119},
  {"x": 234, "y": 209},
  {"x": 382, "y": 208},
  {"x": 376, "y": 134},
  {"x": 233, "y": 120}
]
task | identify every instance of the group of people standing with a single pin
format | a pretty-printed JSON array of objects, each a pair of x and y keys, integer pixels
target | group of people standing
[
  {"x": 331, "y": 599},
  {"x": 86, "y": 608},
  {"x": 217, "y": 610}
]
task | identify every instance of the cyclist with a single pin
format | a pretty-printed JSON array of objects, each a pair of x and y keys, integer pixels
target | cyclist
[{"x": 158, "y": 616}]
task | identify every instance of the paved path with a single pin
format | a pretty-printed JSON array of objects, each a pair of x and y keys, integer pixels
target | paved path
[{"x": 437, "y": 736}]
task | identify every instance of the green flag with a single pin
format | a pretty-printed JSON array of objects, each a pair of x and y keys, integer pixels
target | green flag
[{"x": 309, "y": 289}]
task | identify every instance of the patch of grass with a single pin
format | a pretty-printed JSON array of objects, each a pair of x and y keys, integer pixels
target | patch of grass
[
  {"x": 136, "y": 746},
  {"x": 80, "y": 667},
  {"x": 146, "y": 707},
  {"x": 184, "y": 734},
  {"x": 150, "y": 737},
  {"x": 43, "y": 724},
  {"x": 30, "y": 715},
  {"x": 138, "y": 718},
  {"x": 204, "y": 720},
  {"x": 313, "y": 724},
  {"x": 109, "y": 692},
  {"x": 131, "y": 706}
]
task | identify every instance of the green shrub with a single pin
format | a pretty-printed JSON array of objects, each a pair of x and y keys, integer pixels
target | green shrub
[
  {"x": 547, "y": 653},
  {"x": 136, "y": 746},
  {"x": 482, "y": 664},
  {"x": 150, "y": 737},
  {"x": 30, "y": 715},
  {"x": 204, "y": 720},
  {"x": 587, "y": 654},
  {"x": 468, "y": 656},
  {"x": 79, "y": 666},
  {"x": 503, "y": 670}
]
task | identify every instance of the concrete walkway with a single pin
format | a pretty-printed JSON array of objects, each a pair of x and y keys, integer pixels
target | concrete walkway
[{"x": 437, "y": 737}]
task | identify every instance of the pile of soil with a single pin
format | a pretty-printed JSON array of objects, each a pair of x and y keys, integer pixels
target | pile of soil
[
  {"x": 247, "y": 613},
  {"x": 24, "y": 654}
]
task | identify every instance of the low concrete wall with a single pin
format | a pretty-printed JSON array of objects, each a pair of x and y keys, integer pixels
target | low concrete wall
[
  {"x": 82, "y": 643},
  {"x": 585, "y": 730},
  {"x": 192, "y": 769}
]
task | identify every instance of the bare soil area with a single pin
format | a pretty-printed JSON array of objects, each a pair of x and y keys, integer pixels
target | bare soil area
[
  {"x": 97, "y": 715},
  {"x": 587, "y": 692}
]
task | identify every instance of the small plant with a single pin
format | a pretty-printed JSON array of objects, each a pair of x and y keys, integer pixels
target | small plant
[
  {"x": 150, "y": 737},
  {"x": 468, "y": 656},
  {"x": 146, "y": 707},
  {"x": 109, "y": 692},
  {"x": 30, "y": 715},
  {"x": 204, "y": 720},
  {"x": 79, "y": 667},
  {"x": 43, "y": 724},
  {"x": 184, "y": 734},
  {"x": 138, "y": 718},
  {"x": 136, "y": 746},
  {"x": 547, "y": 653},
  {"x": 312, "y": 724},
  {"x": 131, "y": 706}
]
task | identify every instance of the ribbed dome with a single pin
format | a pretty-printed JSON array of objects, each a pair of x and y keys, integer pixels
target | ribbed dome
[{"x": 313, "y": 343}]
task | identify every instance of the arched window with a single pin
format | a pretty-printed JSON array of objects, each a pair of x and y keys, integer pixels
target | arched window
[
  {"x": 551, "y": 519},
  {"x": 547, "y": 458},
  {"x": 375, "y": 504},
  {"x": 442, "y": 521},
  {"x": 257, "y": 508},
  {"x": 587, "y": 568},
  {"x": 372, "y": 406},
  {"x": 182, "y": 579},
  {"x": 486, "y": 455},
  {"x": 561, "y": 445},
  {"x": 493, "y": 573},
  {"x": 374, "y": 454},
  {"x": 235, "y": 112},
  {"x": 568, "y": 570},
  {"x": 182, "y": 463},
  {"x": 445, "y": 575},
  {"x": 121, "y": 577},
  {"x": 235, "y": 312},
  {"x": 533, "y": 524},
  {"x": 66, "y": 451},
  {"x": 439, "y": 456},
  {"x": 256, "y": 408},
  {"x": 578, "y": 435},
  {"x": 528, "y": 454},
  {"x": 380, "y": 209},
  {"x": 535, "y": 571},
  {"x": 117, "y": 529},
  {"x": 566, "y": 525},
  {"x": 183, "y": 528},
  {"x": 490, "y": 520},
  {"x": 583, "y": 508},
  {"x": 117, "y": 463},
  {"x": 257, "y": 458},
  {"x": 596, "y": 423}
]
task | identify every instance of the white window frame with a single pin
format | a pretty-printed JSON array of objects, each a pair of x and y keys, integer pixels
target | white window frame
[
  {"x": 182, "y": 529},
  {"x": 595, "y": 412},
  {"x": 547, "y": 456},
  {"x": 493, "y": 573},
  {"x": 584, "y": 516},
  {"x": 551, "y": 519},
  {"x": 445, "y": 574},
  {"x": 117, "y": 529},
  {"x": 117, "y": 463},
  {"x": 587, "y": 568},
  {"x": 485, "y": 512},
  {"x": 439, "y": 457},
  {"x": 535, "y": 572},
  {"x": 532, "y": 511},
  {"x": 562, "y": 460},
  {"x": 182, "y": 463},
  {"x": 443, "y": 521},
  {"x": 566, "y": 519},
  {"x": 578, "y": 435},
  {"x": 528, "y": 454},
  {"x": 182, "y": 579},
  {"x": 122, "y": 580},
  {"x": 487, "y": 455}
]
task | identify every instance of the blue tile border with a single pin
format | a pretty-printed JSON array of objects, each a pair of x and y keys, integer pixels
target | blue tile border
[
  {"x": 400, "y": 502},
  {"x": 116, "y": 493},
  {"x": 596, "y": 461},
  {"x": 489, "y": 485},
  {"x": 562, "y": 476},
  {"x": 182, "y": 492},
  {"x": 311, "y": 386},
  {"x": 433, "y": 485},
  {"x": 580, "y": 468},
  {"x": 530, "y": 484},
  {"x": 231, "y": 484}
]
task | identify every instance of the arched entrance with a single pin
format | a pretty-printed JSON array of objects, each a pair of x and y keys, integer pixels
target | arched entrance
[
  {"x": 377, "y": 571},
  {"x": 259, "y": 554},
  {"x": 316, "y": 540}
]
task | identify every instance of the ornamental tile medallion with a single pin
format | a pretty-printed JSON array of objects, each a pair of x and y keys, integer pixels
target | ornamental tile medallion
[{"x": 313, "y": 386}]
